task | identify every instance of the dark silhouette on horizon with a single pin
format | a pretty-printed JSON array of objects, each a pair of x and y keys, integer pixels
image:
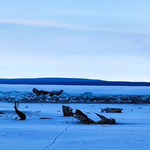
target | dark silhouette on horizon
[{"x": 70, "y": 81}]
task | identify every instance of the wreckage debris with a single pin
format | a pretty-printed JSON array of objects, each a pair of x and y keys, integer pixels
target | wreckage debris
[
  {"x": 2, "y": 112},
  {"x": 105, "y": 120},
  {"x": 112, "y": 110},
  {"x": 67, "y": 111},
  {"x": 19, "y": 113},
  {"x": 45, "y": 118},
  {"x": 85, "y": 120},
  {"x": 51, "y": 93}
]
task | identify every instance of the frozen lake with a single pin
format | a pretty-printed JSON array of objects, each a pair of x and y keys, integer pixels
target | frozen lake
[
  {"x": 129, "y": 90},
  {"x": 65, "y": 133}
]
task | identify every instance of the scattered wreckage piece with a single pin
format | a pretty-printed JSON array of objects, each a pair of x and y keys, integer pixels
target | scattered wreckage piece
[
  {"x": 85, "y": 120},
  {"x": 45, "y": 118},
  {"x": 2, "y": 112},
  {"x": 67, "y": 111},
  {"x": 51, "y": 93},
  {"x": 112, "y": 110},
  {"x": 105, "y": 120},
  {"x": 19, "y": 113}
]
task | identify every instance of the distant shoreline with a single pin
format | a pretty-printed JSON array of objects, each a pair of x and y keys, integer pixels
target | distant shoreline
[{"x": 70, "y": 81}]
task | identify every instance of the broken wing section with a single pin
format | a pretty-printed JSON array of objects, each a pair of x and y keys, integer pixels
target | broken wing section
[
  {"x": 105, "y": 120},
  {"x": 83, "y": 118}
]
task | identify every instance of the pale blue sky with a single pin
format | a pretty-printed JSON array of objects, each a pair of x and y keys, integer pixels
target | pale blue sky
[{"x": 97, "y": 39}]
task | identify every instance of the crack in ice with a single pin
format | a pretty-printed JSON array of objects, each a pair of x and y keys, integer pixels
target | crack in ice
[{"x": 57, "y": 137}]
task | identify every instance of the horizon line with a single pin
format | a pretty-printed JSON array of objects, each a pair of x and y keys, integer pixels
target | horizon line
[{"x": 73, "y": 78}]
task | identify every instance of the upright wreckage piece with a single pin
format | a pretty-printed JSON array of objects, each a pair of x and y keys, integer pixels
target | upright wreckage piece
[
  {"x": 83, "y": 118},
  {"x": 51, "y": 93},
  {"x": 67, "y": 111},
  {"x": 19, "y": 113}
]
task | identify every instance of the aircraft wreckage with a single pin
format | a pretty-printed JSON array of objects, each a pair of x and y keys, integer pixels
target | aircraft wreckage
[
  {"x": 51, "y": 93},
  {"x": 19, "y": 113},
  {"x": 83, "y": 118},
  {"x": 112, "y": 110}
]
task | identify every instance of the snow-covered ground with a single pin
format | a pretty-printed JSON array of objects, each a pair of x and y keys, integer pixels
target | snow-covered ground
[{"x": 65, "y": 133}]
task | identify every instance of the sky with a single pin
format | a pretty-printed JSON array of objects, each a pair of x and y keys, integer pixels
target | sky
[{"x": 96, "y": 39}]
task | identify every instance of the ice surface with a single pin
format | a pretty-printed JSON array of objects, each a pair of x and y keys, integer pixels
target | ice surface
[
  {"x": 82, "y": 94},
  {"x": 127, "y": 90},
  {"x": 65, "y": 133}
]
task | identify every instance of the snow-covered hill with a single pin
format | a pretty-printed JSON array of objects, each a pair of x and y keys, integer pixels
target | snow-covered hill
[{"x": 70, "y": 81}]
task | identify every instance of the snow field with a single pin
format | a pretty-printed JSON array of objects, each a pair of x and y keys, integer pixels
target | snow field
[{"x": 66, "y": 133}]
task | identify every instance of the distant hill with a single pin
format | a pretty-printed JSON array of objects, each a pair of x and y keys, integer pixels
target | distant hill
[{"x": 70, "y": 81}]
